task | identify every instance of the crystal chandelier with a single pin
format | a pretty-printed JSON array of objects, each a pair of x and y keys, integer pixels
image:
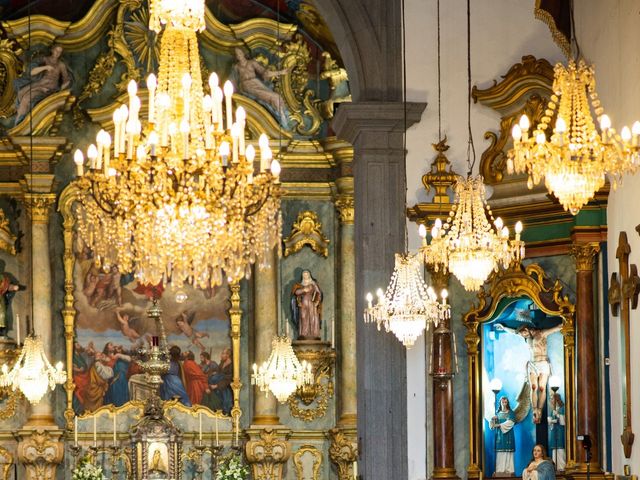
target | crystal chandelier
[
  {"x": 282, "y": 373},
  {"x": 177, "y": 199},
  {"x": 408, "y": 306},
  {"x": 468, "y": 245},
  {"x": 575, "y": 158},
  {"x": 32, "y": 374}
]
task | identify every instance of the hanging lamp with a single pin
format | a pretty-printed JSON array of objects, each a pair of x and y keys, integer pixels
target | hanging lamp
[{"x": 471, "y": 243}]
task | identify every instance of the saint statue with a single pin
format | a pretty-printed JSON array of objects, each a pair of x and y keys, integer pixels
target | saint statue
[
  {"x": 48, "y": 75},
  {"x": 540, "y": 467},
  {"x": 556, "y": 422},
  {"x": 306, "y": 307},
  {"x": 250, "y": 73},
  {"x": 538, "y": 368},
  {"x": 8, "y": 288},
  {"x": 505, "y": 442},
  {"x": 157, "y": 465}
]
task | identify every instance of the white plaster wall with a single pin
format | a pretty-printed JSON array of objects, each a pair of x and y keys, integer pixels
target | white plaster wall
[
  {"x": 608, "y": 35},
  {"x": 502, "y": 31}
]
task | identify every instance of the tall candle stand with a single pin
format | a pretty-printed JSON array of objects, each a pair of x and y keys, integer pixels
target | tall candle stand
[
  {"x": 115, "y": 451},
  {"x": 76, "y": 450}
]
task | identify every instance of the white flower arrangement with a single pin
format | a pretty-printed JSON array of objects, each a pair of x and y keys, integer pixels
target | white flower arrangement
[
  {"x": 232, "y": 468},
  {"x": 87, "y": 471}
]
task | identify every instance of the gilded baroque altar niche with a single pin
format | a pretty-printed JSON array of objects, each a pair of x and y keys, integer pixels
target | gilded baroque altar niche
[{"x": 520, "y": 332}]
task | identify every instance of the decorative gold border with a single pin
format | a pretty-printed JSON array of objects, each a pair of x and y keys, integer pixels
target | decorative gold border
[
  {"x": 317, "y": 461},
  {"x": 547, "y": 295},
  {"x": 65, "y": 206},
  {"x": 7, "y": 466}
]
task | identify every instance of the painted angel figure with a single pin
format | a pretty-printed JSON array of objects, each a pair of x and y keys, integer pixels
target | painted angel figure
[
  {"x": 184, "y": 322},
  {"x": 502, "y": 423},
  {"x": 126, "y": 326},
  {"x": 306, "y": 307},
  {"x": 538, "y": 367}
]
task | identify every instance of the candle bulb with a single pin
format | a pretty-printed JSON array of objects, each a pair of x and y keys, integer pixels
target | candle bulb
[
  {"x": 152, "y": 83},
  {"x": 92, "y": 155},
  {"x": 224, "y": 153},
  {"x": 153, "y": 143},
  {"x": 78, "y": 159},
  {"x": 228, "y": 94}
]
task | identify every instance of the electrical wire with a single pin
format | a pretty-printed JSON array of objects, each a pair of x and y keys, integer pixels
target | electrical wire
[{"x": 471, "y": 149}]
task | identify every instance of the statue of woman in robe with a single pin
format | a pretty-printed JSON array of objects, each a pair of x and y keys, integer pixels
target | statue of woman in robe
[
  {"x": 505, "y": 443},
  {"x": 306, "y": 306}
]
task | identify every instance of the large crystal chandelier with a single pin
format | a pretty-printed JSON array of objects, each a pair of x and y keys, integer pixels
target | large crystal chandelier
[
  {"x": 468, "y": 244},
  {"x": 408, "y": 306},
  {"x": 177, "y": 199},
  {"x": 575, "y": 158},
  {"x": 282, "y": 373},
  {"x": 32, "y": 374}
]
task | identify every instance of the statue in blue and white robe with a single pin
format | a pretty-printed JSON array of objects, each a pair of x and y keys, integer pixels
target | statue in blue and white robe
[
  {"x": 556, "y": 422},
  {"x": 502, "y": 423}
]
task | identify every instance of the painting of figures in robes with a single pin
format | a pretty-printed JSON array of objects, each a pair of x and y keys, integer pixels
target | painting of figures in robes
[
  {"x": 112, "y": 326},
  {"x": 522, "y": 358}
]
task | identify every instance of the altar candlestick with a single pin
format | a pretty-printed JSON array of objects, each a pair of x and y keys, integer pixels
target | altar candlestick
[
  {"x": 75, "y": 430},
  {"x": 95, "y": 433},
  {"x": 115, "y": 428},
  {"x": 217, "y": 439}
]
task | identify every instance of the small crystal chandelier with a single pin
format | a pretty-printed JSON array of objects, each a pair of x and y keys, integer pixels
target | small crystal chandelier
[
  {"x": 575, "y": 158},
  {"x": 282, "y": 373},
  {"x": 408, "y": 306},
  {"x": 177, "y": 199},
  {"x": 468, "y": 245},
  {"x": 32, "y": 374}
]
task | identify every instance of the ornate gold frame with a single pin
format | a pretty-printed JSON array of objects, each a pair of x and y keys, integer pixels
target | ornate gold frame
[
  {"x": 317, "y": 461},
  {"x": 65, "y": 207},
  {"x": 547, "y": 295}
]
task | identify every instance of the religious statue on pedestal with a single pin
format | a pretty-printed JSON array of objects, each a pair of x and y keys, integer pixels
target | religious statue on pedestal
[
  {"x": 556, "y": 422},
  {"x": 306, "y": 307},
  {"x": 505, "y": 442}
]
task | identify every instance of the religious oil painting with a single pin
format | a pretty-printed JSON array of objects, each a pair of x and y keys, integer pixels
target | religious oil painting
[
  {"x": 522, "y": 387},
  {"x": 112, "y": 326}
]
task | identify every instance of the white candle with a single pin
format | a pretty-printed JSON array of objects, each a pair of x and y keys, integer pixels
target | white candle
[
  {"x": 355, "y": 470},
  {"x": 333, "y": 332},
  {"x": 18, "y": 329},
  {"x": 228, "y": 94},
  {"x": 75, "y": 430},
  {"x": 217, "y": 439},
  {"x": 78, "y": 159},
  {"x": 115, "y": 428},
  {"x": 200, "y": 427},
  {"x": 95, "y": 432}
]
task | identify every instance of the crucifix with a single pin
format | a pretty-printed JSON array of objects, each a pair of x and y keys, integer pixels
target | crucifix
[{"x": 623, "y": 297}]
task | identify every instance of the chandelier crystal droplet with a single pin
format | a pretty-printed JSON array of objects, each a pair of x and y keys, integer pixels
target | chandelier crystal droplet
[
  {"x": 179, "y": 199},
  {"x": 282, "y": 373},
  {"x": 408, "y": 306},
  {"x": 575, "y": 158},
  {"x": 468, "y": 244}
]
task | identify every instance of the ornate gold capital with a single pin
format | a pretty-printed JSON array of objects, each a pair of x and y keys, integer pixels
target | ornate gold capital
[
  {"x": 269, "y": 454},
  {"x": 39, "y": 206},
  {"x": 345, "y": 206},
  {"x": 584, "y": 253},
  {"x": 40, "y": 451},
  {"x": 343, "y": 452},
  {"x": 307, "y": 230}
]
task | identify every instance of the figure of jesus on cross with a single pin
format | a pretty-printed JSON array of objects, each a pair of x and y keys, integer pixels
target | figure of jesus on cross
[{"x": 538, "y": 367}]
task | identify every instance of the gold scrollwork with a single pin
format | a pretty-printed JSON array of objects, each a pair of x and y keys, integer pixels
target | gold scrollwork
[
  {"x": 10, "y": 68},
  {"x": 298, "y": 460},
  {"x": 335, "y": 76},
  {"x": 320, "y": 391},
  {"x": 525, "y": 88},
  {"x": 549, "y": 298},
  {"x": 307, "y": 230},
  {"x": 41, "y": 451},
  {"x": 6, "y": 460},
  {"x": 343, "y": 452},
  {"x": 268, "y": 455}
]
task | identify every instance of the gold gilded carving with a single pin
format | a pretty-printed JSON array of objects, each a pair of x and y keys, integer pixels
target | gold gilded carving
[
  {"x": 316, "y": 395},
  {"x": 6, "y": 461},
  {"x": 524, "y": 89},
  {"x": 548, "y": 296},
  {"x": 300, "y": 463},
  {"x": 335, "y": 76},
  {"x": 39, "y": 206},
  {"x": 41, "y": 451},
  {"x": 343, "y": 452},
  {"x": 584, "y": 255},
  {"x": 10, "y": 68},
  {"x": 7, "y": 238},
  {"x": 346, "y": 209},
  {"x": 307, "y": 230},
  {"x": 623, "y": 297},
  {"x": 268, "y": 455}
]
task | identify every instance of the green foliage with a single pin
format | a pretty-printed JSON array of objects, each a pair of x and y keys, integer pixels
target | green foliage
[
  {"x": 86, "y": 470},
  {"x": 232, "y": 467}
]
